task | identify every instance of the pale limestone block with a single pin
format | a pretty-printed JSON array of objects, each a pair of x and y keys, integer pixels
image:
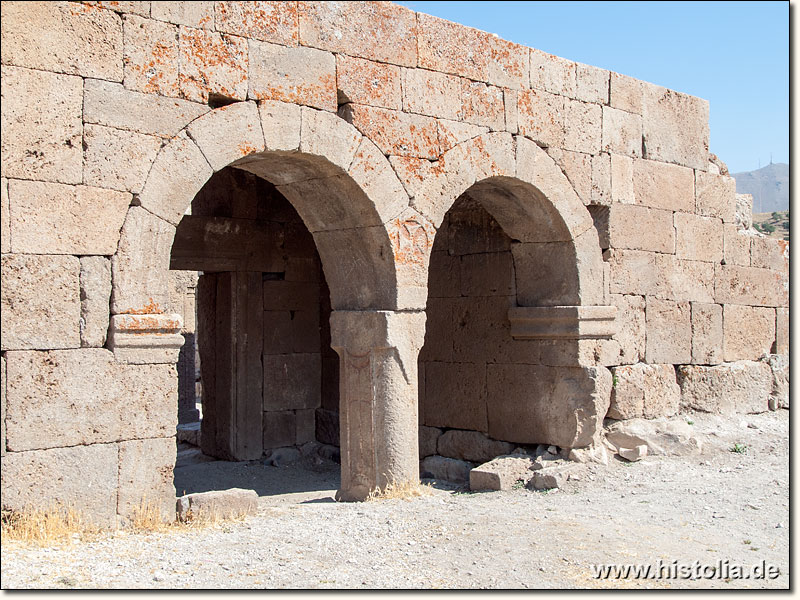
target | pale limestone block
[
  {"x": 541, "y": 117},
  {"x": 5, "y": 218},
  {"x": 736, "y": 245},
  {"x": 502, "y": 473},
  {"x": 452, "y": 133},
  {"x": 748, "y": 332},
  {"x": 707, "y": 336},
  {"x": 509, "y": 64},
  {"x": 782, "y": 331},
  {"x": 112, "y": 105},
  {"x": 601, "y": 179},
  {"x": 266, "y": 21},
  {"x": 241, "y": 125},
  {"x": 145, "y": 477},
  {"x": 669, "y": 332},
  {"x": 376, "y": 178},
  {"x": 582, "y": 126},
  {"x": 64, "y": 37},
  {"x": 630, "y": 327},
  {"x": 281, "y": 124},
  {"x": 179, "y": 171},
  {"x": 233, "y": 503},
  {"x": 730, "y": 388},
  {"x": 95, "y": 296},
  {"x": 511, "y": 110},
  {"x": 622, "y": 189},
  {"x": 326, "y": 135},
  {"x": 750, "y": 286},
  {"x": 675, "y": 127},
  {"x": 396, "y": 133},
  {"x": 41, "y": 307},
  {"x": 141, "y": 265},
  {"x": 117, "y": 159},
  {"x": 151, "y": 56},
  {"x": 641, "y": 228},
  {"x": 299, "y": 75},
  {"x": 41, "y": 122},
  {"x": 212, "y": 63},
  {"x": 82, "y": 477},
  {"x": 134, "y": 7},
  {"x": 622, "y": 132},
  {"x": 769, "y": 253},
  {"x": 552, "y": 73},
  {"x": 626, "y": 93},
  {"x": 432, "y": 94},
  {"x": 662, "y": 185},
  {"x": 452, "y": 48},
  {"x": 577, "y": 166},
  {"x": 716, "y": 195},
  {"x": 2, "y": 406},
  {"x": 642, "y": 390},
  {"x": 367, "y": 82},
  {"x": 592, "y": 84},
  {"x": 483, "y": 105},
  {"x": 473, "y": 446},
  {"x": 89, "y": 397},
  {"x": 687, "y": 279},
  {"x": 744, "y": 211},
  {"x": 698, "y": 238},
  {"x": 194, "y": 14}
]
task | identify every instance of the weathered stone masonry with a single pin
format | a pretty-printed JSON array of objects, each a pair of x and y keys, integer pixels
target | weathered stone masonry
[{"x": 524, "y": 244}]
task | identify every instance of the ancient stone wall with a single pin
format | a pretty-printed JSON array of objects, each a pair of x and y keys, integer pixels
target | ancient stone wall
[{"x": 371, "y": 120}]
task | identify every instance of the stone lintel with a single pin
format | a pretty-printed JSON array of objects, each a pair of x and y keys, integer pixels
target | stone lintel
[
  {"x": 562, "y": 322},
  {"x": 146, "y": 339}
]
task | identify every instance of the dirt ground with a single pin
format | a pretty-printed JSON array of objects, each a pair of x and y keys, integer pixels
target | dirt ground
[{"x": 721, "y": 509}]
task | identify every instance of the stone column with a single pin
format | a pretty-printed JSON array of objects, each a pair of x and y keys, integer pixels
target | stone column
[{"x": 378, "y": 353}]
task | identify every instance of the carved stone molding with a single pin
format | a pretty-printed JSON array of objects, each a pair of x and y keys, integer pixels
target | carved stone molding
[
  {"x": 562, "y": 322},
  {"x": 145, "y": 339}
]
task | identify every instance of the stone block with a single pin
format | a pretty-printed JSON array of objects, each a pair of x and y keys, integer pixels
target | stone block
[
  {"x": 489, "y": 274},
  {"x": 640, "y": 228},
  {"x": 540, "y": 117},
  {"x": 540, "y": 272},
  {"x": 622, "y": 189},
  {"x": 367, "y": 82},
  {"x": 2, "y": 405},
  {"x": 769, "y": 253},
  {"x": 212, "y": 63},
  {"x": 626, "y": 93},
  {"x": 150, "y": 56},
  {"x": 641, "y": 390},
  {"x": 743, "y": 219},
  {"x": 449, "y": 469},
  {"x": 95, "y": 281},
  {"x": 577, "y": 166},
  {"x": 481, "y": 331},
  {"x": 748, "y": 332},
  {"x": 688, "y": 279},
  {"x": 280, "y": 429},
  {"x": 669, "y": 332},
  {"x": 281, "y": 457},
  {"x": 661, "y": 437},
  {"x": 750, "y": 286},
  {"x": 428, "y": 439},
  {"x": 286, "y": 333},
  {"x": 452, "y": 48},
  {"x": 5, "y": 218},
  {"x": 583, "y": 126},
  {"x": 291, "y": 381},
  {"x": 146, "y": 477},
  {"x": 117, "y": 159},
  {"x": 132, "y": 7},
  {"x": 438, "y": 331},
  {"x": 54, "y": 218},
  {"x": 782, "y": 331},
  {"x": 232, "y": 503},
  {"x": 622, "y": 132},
  {"x": 432, "y": 94},
  {"x": 707, "y": 334},
  {"x": 675, "y": 127},
  {"x": 112, "y": 105},
  {"x": 197, "y": 13},
  {"x": 471, "y": 445},
  {"x": 327, "y": 427},
  {"x": 531, "y": 404},
  {"x": 548, "y": 478},
  {"x": 41, "y": 121},
  {"x": 374, "y": 175},
  {"x": 510, "y": 98},
  {"x": 698, "y": 238},
  {"x": 736, "y": 245},
  {"x": 601, "y": 179},
  {"x": 483, "y": 105},
  {"x": 592, "y": 84},
  {"x": 243, "y": 136},
  {"x": 41, "y": 306},
  {"x": 553, "y": 74},
  {"x": 396, "y": 133},
  {"x": 501, "y": 473},
  {"x": 63, "y": 37},
  {"x": 385, "y": 32},
  {"x": 739, "y": 387},
  {"x": 452, "y": 133},
  {"x": 298, "y": 75},
  {"x": 305, "y": 425},
  {"x": 139, "y": 268},
  {"x": 266, "y": 21},
  {"x": 715, "y": 195},
  {"x": 509, "y": 64},
  {"x": 662, "y": 185},
  {"x": 89, "y": 399},
  {"x": 630, "y": 327},
  {"x": 779, "y": 365},
  {"x": 456, "y": 395},
  {"x": 84, "y": 478},
  {"x": 290, "y": 295}
]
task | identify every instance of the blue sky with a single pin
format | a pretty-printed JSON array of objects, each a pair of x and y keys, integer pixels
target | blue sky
[{"x": 733, "y": 54}]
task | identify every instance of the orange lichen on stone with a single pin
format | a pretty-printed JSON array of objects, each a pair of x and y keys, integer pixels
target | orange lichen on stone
[
  {"x": 397, "y": 133},
  {"x": 509, "y": 64},
  {"x": 147, "y": 324},
  {"x": 245, "y": 149},
  {"x": 451, "y": 48},
  {"x": 266, "y": 21},
  {"x": 151, "y": 56},
  {"x": 367, "y": 82},
  {"x": 483, "y": 105},
  {"x": 152, "y": 307},
  {"x": 212, "y": 63}
]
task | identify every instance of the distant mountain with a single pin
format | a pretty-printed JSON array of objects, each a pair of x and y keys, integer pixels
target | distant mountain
[{"x": 769, "y": 186}]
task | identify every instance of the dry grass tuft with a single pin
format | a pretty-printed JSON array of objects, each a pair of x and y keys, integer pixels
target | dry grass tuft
[
  {"x": 56, "y": 524},
  {"x": 403, "y": 490}
]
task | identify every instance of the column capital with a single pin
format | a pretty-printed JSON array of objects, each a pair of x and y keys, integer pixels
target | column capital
[{"x": 361, "y": 331}]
